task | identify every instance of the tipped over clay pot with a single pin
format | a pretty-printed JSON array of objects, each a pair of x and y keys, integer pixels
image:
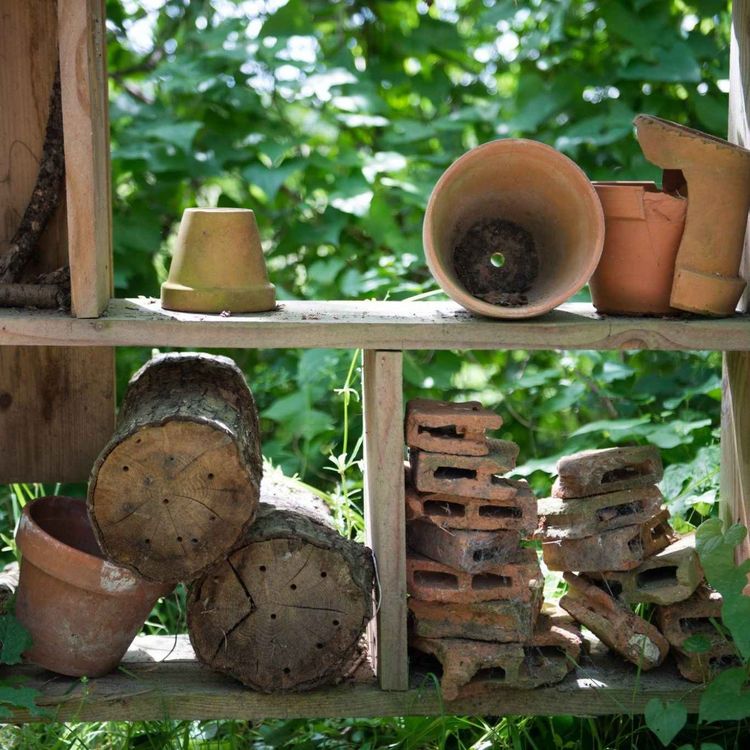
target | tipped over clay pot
[
  {"x": 81, "y": 610},
  {"x": 218, "y": 264},
  {"x": 643, "y": 230},
  {"x": 513, "y": 228},
  {"x": 717, "y": 177}
]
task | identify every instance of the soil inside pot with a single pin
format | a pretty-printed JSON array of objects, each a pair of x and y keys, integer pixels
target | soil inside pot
[{"x": 496, "y": 261}]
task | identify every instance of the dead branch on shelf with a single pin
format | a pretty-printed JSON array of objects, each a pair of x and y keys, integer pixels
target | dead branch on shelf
[{"x": 52, "y": 289}]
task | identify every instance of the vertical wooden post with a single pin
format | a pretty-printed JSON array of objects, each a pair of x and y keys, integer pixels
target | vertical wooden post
[
  {"x": 735, "y": 410},
  {"x": 384, "y": 512},
  {"x": 83, "y": 73}
]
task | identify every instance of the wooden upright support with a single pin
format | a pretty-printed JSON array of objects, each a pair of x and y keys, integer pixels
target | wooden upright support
[
  {"x": 735, "y": 411},
  {"x": 385, "y": 512}
]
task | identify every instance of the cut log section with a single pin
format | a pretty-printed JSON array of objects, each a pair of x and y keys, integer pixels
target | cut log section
[
  {"x": 287, "y": 609},
  {"x": 178, "y": 483}
]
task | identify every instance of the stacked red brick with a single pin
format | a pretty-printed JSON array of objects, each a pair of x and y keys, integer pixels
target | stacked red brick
[
  {"x": 475, "y": 592},
  {"x": 606, "y": 521}
]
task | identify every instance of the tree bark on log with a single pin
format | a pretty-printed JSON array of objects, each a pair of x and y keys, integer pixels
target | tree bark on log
[
  {"x": 287, "y": 609},
  {"x": 178, "y": 483}
]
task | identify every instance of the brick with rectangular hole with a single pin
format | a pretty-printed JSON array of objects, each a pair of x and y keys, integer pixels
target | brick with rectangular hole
[
  {"x": 615, "y": 550},
  {"x": 470, "y": 476},
  {"x": 699, "y": 615},
  {"x": 504, "y": 620},
  {"x": 514, "y": 512},
  {"x": 468, "y": 550},
  {"x": 432, "y": 581},
  {"x": 608, "y": 470},
  {"x": 443, "y": 427},
  {"x": 670, "y": 576},
  {"x": 567, "y": 519},
  {"x": 471, "y": 667},
  {"x": 614, "y": 624}
]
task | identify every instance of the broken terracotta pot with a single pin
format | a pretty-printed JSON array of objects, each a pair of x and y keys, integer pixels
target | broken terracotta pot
[
  {"x": 513, "y": 228},
  {"x": 218, "y": 265},
  {"x": 717, "y": 174},
  {"x": 81, "y": 610},
  {"x": 643, "y": 230}
]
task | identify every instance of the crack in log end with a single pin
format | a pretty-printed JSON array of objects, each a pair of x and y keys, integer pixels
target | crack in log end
[
  {"x": 249, "y": 596},
  {"x": 225, "y": 634}
]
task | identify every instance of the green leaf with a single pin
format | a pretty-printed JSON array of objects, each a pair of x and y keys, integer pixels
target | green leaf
[
  {"x": 12, "y": 694},
  {"x": 611, "y": 426},
  {"x": 271, "y": 180},
  {"x": 727, "y": 697},
  {"x": 665, "y": 720},
  {"x": 15, "y": 639},
  {"x": 178, "y": 134},
  {"x": 291, "y": 19},
  {"x": 697, "y": 644}
]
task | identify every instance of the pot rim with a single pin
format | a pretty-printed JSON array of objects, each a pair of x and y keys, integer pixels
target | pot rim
[
  {"x": 577, "y": 176},
  {"x": 74, "y": 566}
]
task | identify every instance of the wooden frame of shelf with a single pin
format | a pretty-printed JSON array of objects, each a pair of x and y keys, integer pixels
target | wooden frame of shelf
[{"x": 161, "y": 678}]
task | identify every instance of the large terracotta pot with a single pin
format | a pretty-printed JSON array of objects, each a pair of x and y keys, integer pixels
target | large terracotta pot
[
  {"x": 218, "y": 264},
  {"x": 82, "y": 611},
  {"x": 525, "y": 215},
  {"x": 643, "y": 230}
]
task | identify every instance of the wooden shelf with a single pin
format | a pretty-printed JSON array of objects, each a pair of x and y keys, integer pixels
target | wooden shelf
[
  {"x": 368, "y": 325},
  {"x": 160, "y": 679}
]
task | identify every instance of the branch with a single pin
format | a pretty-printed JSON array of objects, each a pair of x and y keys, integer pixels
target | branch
[{"x": 45, "y": 197}]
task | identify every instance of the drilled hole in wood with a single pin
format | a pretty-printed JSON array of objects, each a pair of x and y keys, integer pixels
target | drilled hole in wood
[
  {"x": 293, "y": 587},
  {"x": 212, "y": 518},
  {"x": 126, "y": 468},
  {"x": 165, "y": 500},
  {"x": 210, "y": 476},
  {"x": 273, "y": 616},
  {"x": 262, "y": 568},
  {"x": 194, "y": 540},
  {"x": 323, "y": 574},
  {"x": 147, "y": 541},
  {"x": 137, "y": 440},
  {"x": 179, "y": 538},
  {"x": 318, "y": 645},
  {"x": 287, "y": 670},
  {"x": 335, "y": 622}
]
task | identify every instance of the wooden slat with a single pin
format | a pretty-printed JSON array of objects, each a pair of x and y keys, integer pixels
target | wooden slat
[
  {"x": 370, "y": 325},
  {"x": 735, "y": 427},
  {"x": 83, "y": 69},
  {"x": 161, "y": 680},
  {"x": 56, "y": 405},
  {"x": 382, "y": 385}
]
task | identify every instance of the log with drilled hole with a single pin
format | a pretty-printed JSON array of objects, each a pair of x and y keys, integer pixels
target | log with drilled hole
[
  {"x": 178, "y": 483},
  {"x": 287, "y": 609}
]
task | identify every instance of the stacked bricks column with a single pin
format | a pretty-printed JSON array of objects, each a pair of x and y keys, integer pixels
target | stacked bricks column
[{"x": 475, "y": 592}]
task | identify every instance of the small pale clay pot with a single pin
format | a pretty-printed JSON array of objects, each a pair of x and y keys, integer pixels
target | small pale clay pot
[
  {"x": 218, "y": 264},
  {"x": 537, "y": 191},
  {"x": 717, "y": 174},
  {"x": 82, "y": 611},
  {"x": 643, "y": 231}
]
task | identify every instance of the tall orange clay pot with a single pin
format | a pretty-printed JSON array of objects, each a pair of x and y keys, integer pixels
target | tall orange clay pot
[
  {"x": 643, "y": 228},
  {"x": 534, "y": 206},
  {"x": 81, "y": 610}
]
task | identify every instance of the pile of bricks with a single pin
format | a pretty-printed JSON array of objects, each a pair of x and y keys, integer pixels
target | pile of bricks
[
  {"x": 475, "y": 591},
  {"x": 606, "y": 522}
]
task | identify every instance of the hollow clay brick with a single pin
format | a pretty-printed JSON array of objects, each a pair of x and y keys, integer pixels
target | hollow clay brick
[
  {"x": 516, "y": 511},
  {"x": 698, "y": 615},
  {"x": 609, "y": 470},
  {"x": 432, "y": 581},
  {"x": 614, "y": 624},
  {"x": 442, "y": 427},
  {"x": 616, "y": 550},
  {"x": 468, "y": 550},
  {"x": 505, "y": 620},
  {"x": 474, "y": 667},
  {"x": 565, "y": 519},
  {"x": 470, "y": 476},
  {"x": 670, "y": 576}
]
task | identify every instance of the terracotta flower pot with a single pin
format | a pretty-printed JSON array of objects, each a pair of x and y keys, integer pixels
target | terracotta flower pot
[
  {"x": 82, "y": 611},
  {"x": 717, "y": 174},
  {"x": 218, "y": 264},
  {"x": 513, "y": 228},
  {"x": 643, "y": 231}
]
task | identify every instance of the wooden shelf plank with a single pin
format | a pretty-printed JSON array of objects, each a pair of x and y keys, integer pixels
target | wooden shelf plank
[
  {"x": 370, "y": 325},
  {"x": 161, "y": 680}
]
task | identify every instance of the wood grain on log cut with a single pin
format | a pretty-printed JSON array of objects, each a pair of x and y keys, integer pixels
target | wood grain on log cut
[
  {"x": 287, "y": 609},
  {"x": 179, "y": 481}
]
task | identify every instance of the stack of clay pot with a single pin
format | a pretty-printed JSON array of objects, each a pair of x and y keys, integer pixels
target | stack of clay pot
[
  {"x": 606, "y": 522},
  {"x": 475, "y": 591},
  {"x": 678, "y": 248}
]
